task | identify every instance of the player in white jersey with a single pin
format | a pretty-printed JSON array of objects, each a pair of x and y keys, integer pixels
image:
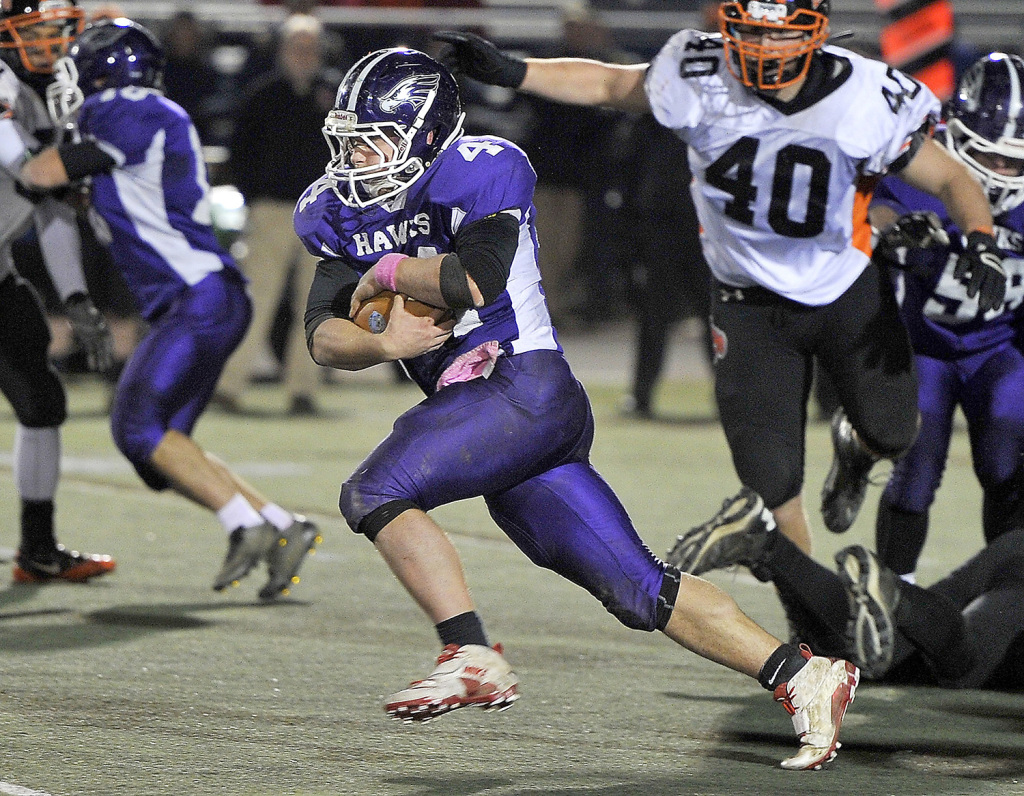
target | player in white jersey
[
  {"x": 29, "y": 41},
  {"x": 787, "y": 136}
]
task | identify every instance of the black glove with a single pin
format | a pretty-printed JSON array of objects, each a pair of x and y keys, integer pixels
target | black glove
[
  {"x": 91, "y": 331},
  {"x": 917, "y": 230},
  {"x": 981, "y": 264},
  {"x": 474, "y": 57}
]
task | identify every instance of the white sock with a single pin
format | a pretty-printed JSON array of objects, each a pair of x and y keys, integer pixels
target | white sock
[
  {"x": 238, "y": 513},
  {"x": 910, "y": 577},
  {"x": 36, "y": 462},
  {"x": 277, "y": 516}
]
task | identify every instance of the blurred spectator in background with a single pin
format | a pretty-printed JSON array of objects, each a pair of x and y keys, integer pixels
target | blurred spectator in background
[
  {"x": 276, "y": 151},
  {"x": 669, "y": 278},
  {"x": 190, "y": 78},
  {"x": 574, "y": 150}
]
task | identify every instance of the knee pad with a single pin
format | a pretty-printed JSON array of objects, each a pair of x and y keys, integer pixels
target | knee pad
[
  {"x": 369, "y": 515},
  {"x": 640, "y": 611},
  {"x": 136, "y": 441},
  {"x": 44, "y": 404}
]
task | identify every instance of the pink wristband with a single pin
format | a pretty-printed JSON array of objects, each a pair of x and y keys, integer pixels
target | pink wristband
[{"x": 387, "y": 266}]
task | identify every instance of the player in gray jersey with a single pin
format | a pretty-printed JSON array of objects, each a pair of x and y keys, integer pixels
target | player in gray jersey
[
  {"x": 787, "y": 137},
  {"x": 30, "y": 40}
]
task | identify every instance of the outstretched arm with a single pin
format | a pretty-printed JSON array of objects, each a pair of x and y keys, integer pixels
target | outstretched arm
[
  {"x": 574, "y": 81},
  {"x": 578, "y": 81},
  {"x": 934, "y": 171}
]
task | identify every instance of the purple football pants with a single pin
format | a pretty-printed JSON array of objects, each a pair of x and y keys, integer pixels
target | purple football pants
[
  {"x": 173, "y": 372},
  {"x": 521, "y": 439},
  {"x": 988, "y": 387}
]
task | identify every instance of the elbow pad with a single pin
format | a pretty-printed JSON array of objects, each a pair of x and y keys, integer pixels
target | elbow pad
[
  {"x": 485, "y": 251},
  {"x": 329, "y": 295},
  {"x": 83, "y": 159}
]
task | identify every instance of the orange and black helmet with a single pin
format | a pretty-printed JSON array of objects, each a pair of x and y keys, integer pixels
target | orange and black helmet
[
  {"x": 35, "y": 33},
  {"x": 770, "y": 42}
]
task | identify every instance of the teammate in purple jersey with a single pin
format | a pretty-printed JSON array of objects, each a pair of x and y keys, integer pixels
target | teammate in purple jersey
[
  {"x": 411, "y": 205},
  {"x": 142, "y": 157},
  {"x": 965, "y": 356}
]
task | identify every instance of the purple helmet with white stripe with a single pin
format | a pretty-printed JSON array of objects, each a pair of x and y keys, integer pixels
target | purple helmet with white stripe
[
  {"x": 985, "y": 118},
  {"x": 403, "y": 106}
]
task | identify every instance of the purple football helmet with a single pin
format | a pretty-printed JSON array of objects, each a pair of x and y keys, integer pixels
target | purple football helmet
[
  {"x": 398, "y": 97},
  {"x": 112, "y": 53},
  {"x": 109, "y": 53},
  {"x": 986, "y": 117}
]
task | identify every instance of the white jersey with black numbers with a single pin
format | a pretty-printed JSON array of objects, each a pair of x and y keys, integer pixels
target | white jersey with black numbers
[
  {"x": 22, "y": 113},
  {"x": 782, "y": 191}
]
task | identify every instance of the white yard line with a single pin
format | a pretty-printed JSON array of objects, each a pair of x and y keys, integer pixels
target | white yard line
[{"x": 18, "y": 790}]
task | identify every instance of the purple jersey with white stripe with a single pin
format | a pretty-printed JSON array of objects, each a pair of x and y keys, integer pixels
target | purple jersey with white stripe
[
  {"x": 156, "y": 200},
  {"x": 943, "y": 322},
  {"x": 475, "y": 177}
]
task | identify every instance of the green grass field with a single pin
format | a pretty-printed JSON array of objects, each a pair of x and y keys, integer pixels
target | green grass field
[{"x": 147, "y": 682}]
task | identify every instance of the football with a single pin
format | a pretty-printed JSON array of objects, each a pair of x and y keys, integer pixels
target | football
[{"x": 373, "y": 313}]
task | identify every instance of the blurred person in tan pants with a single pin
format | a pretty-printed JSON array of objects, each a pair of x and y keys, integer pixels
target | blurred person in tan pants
[{"x": 277, "y": 149}]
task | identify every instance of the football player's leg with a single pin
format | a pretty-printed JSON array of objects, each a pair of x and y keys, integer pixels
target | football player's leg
[
  {"x": 965, "y": 623},
  {"x": 762, "y": 382},
  {"x": 31, "y": 386},
  {"x": 902, "y": 522},
  {"x": 570, "y": 521},
  {"x": 167, "y": 384},
  {"x": 867, "y": 352},
  {"x": 995, "y": 420},
  {"x": 473, "y": 438},
  {"x": 29, "y": 382},
  {"x": 466, "y": 440}
]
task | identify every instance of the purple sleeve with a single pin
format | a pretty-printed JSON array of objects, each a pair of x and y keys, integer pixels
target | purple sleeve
[{"x": 483, "y": 176}]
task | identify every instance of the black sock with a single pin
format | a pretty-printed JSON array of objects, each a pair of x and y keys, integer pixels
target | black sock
[
  {"x": 780, "y": 667},
  {"x": 936, "y": 627},
  {"x": 462, "y": 629},
  {"x": 37, "y": 526}
]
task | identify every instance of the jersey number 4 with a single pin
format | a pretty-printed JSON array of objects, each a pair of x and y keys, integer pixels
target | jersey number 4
[{"x": 733, "y": 173}]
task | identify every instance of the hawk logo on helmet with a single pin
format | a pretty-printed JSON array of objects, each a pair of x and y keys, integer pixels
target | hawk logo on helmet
[
  {"x": 414, "y": 91},
  {"x": 970, "y": 89}
]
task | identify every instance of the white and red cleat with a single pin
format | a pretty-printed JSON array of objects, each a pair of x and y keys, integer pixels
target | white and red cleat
[
  {"x": 817, "y": 698},
  {"x": 464, "y": 676}
]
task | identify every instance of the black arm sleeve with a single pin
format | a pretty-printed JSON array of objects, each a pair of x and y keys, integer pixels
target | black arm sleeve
[
  {"x": 486, "y": 249},
  {"x": 329, "y": 295},
  {"x": 85, "y": 158}
]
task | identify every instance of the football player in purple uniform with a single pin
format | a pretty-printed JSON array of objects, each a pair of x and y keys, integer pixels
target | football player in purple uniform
[
  {"x": 410, "y": 204},
  {"x": 967, "y": 356},
  {"x": 33, "y": 35},
  {"x": 787, "y": 137},
  {"x": 149, "y": 190}
]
